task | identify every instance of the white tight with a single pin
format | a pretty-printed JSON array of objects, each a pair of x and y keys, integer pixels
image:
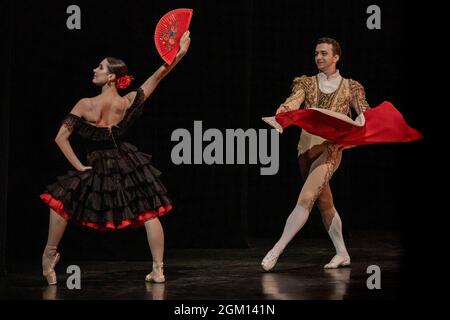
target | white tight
[{"x": 320, "y": 163}]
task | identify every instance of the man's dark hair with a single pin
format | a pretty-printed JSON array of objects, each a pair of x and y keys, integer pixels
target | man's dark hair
[{"x": 334, "y": 43}]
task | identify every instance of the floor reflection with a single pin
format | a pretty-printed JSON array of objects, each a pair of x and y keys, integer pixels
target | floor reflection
[
  {"x": 296, "y": 286},
  {"x": 340, "y": 278},
  {"x": 50, "y": 293},
  {"x": 155, "y": 291}
]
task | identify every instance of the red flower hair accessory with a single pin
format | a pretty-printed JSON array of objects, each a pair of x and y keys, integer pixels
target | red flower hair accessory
[{"x": 123, "y": 82}]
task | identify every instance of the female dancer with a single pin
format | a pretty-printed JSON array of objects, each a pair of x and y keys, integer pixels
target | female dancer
[{"x": 118, "y": 187}]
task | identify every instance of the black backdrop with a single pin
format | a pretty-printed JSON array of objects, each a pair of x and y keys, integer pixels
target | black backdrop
[{"x": 242, "y": 60}]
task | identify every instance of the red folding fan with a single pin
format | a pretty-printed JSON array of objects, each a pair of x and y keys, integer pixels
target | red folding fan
[{"x": 169, "y": 30}]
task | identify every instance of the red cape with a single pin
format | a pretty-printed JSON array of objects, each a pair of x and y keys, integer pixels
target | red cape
[{"x": 383, "y": 123}]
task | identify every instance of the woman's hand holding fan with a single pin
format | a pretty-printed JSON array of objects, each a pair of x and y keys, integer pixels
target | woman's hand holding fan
[
  {"x": 170, "y": 34},
  {"x": 185, "y": 41}
]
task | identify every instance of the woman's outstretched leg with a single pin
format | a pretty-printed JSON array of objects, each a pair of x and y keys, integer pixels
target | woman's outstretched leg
[
  {"x": 155, "y": 237},
  {"x": 50, "y": 257}
]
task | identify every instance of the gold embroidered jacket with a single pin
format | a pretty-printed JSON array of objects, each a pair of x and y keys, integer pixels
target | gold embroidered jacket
[{"x": 306, "y": 94}]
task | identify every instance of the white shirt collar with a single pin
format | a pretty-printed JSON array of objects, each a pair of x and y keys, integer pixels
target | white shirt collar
[
  {"x": 323, "y": 76},
  {"x": 329, "y": 84}
]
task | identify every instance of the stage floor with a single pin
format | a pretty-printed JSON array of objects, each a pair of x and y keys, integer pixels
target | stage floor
[{"x": 228, "y": 274}]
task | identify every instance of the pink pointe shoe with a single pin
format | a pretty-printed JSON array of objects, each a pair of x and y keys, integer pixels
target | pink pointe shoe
[
  {"x": 49, "y": 260},
  {"x": 157, "y": 274}
]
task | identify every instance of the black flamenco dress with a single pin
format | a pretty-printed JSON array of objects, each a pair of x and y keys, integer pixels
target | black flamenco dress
[{"x": 121, "y": 190}]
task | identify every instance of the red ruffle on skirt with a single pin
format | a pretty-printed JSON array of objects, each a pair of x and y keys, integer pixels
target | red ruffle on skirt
[
  {"x": 383, "y": 123},
  {"x": 139, "y": 220}
]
